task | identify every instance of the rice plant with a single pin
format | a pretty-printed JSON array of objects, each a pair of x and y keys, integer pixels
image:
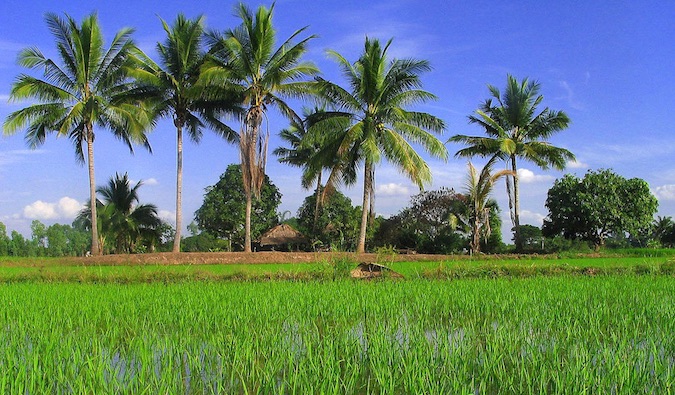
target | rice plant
[{"x": 609, "y": 334}]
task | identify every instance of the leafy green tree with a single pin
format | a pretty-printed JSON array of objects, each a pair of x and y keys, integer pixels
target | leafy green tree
[
  {"x": 478, "y": 188},
  {"x": 378, "y": 123},
  {"x": 173, "y": 86},
  {"x": 335, "y": 225},
  {"x": 18, "y": 245},
  {"x": 38, "y": 237},
  {"x": 124, "y": 222},
  {"x": 89, "y": 87},
  {"x": 246, "y": 61},
  {"x": 435, "y": 221},
  {"x": 57, "y": 240},
  {"x": 532, "y": 238},
  {"x": 598, "y": 206},
  {"x": 4, "y": 240},
  {"x": 515, "y": 128},
  {"x": 223, "y": 212}
]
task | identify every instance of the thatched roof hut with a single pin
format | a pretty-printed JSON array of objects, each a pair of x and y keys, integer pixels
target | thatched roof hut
[{"x": 282, "y": 235}]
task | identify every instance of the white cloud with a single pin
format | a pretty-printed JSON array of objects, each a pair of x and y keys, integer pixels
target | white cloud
[
  {"x": 392, "y": 189},
  {"x": 167, "y": 216},
  {"x": 69, "y": 207},
  {"x": 16, "y": 156},
  {"x": 149, "y": 181},
  {"x": 65, "y": 208},
  {"x": 528, "y": 177},
  {"x": 575, "y": 164},
  {"x": 40, "y": 210},
  {"x": 531, "y": 217},
  {"x": 665, "y": 192}
]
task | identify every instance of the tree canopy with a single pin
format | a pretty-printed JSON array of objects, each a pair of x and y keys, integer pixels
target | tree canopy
[
  {"x": 223, "y": 212},
  {"x": 515, "y": 128},
  {"x": 438, "y": 221},
  {"x": 598, "y": 206},
  {"x": 337, "y": 222},
  {"x": 378, "y": 122}
]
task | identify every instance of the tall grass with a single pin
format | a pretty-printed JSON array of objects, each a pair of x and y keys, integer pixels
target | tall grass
[{"x": 535, "y": 335}]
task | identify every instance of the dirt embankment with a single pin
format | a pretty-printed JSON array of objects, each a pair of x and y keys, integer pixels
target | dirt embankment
[{"x": 206, "y": 258}]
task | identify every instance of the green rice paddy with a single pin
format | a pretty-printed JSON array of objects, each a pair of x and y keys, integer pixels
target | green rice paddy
[{"x": 540, "y": 334}]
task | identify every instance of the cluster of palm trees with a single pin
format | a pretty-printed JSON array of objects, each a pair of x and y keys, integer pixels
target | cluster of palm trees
[{"x": 204, "y": 78}]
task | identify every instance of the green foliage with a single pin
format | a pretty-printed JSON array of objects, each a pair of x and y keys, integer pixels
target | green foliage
[
  {"x": 516, "y": 129},
  {"x": 204, "y": 242},
  {"x": 435, "y": 222},
  {"x": 4, "y": 240},
  {"x": 337, "y": 225},
  {"x": 598, "y": 206},
  {"x": 557, "y": 335},
  {"x": 223, "y": 212},
  {"x": 663, "y": 231},
  {"x": 125, "y": 226},
  {"x": 248, "y": 62},
  {"x": 478, "y": 189},
  {"x": 532, "y": 238},
  {"x": 87, "y": 85},
  {"x": 376, "y": 124}
]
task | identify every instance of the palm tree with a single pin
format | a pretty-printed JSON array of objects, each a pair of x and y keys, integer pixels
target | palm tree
[
  {"x": 246, "y": 61},
  {"x": 305, "y": 148},
  {"x": 122, "y": 219},
  {"x": 478, "y": 189},
  {"x": 173, "y": 87},
  {"x": 378, "y": 123},
  {"x": 515, "y": 129},
  {"x": 90, "y": 87},
  {"x": 661, "y": 227}
]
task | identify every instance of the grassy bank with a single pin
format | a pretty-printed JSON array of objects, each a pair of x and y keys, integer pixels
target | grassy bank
[{"x": 333, "y": 267}]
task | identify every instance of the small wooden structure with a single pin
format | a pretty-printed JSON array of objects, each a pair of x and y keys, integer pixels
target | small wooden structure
[
  {"x": 373, "y": 270},
  {"x": 283, "y": 236}
]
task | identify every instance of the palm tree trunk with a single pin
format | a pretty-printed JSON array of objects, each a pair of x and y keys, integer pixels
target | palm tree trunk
[
  {"x": 247, "y": 225},
  {"x": 317, "y": 205},
  {"x": 367, "y": 187},
  {"x": 516, "y": 206},
  {"x": 179, "y": 186},
  {"x": 475, "y": 234},
  {"x": 252, "y": 165},
  {"x": 95, "y": 246},
  {"x": 371, "y": 217}
]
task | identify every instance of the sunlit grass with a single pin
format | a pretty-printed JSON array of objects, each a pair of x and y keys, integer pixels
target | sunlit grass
[
  {"x": 46, "y": 269},
  {"x": 603, "y": 334}
]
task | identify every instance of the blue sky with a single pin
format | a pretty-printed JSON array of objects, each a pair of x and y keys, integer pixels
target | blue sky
[{"x": 608, "y": 65}]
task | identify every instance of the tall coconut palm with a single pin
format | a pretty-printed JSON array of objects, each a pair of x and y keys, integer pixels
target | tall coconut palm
[
  {"x": 245, "y": 60},
  {"x": 516, "y": 129},
  {"x": 89, "y": 86},
  {"x": 478, "y": 188},
  {"x": 122, "y": 219},
  {"x": 173, "y": 86},
  {"x": 378, "y": 123}
]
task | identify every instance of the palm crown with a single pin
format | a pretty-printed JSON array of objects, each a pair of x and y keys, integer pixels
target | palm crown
[
  {"x": 515, "y": 128},
  {"x": 245, "y": 60},
  {"x": 89, "y": 86},
  {"x": 377, "y": 123}
]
